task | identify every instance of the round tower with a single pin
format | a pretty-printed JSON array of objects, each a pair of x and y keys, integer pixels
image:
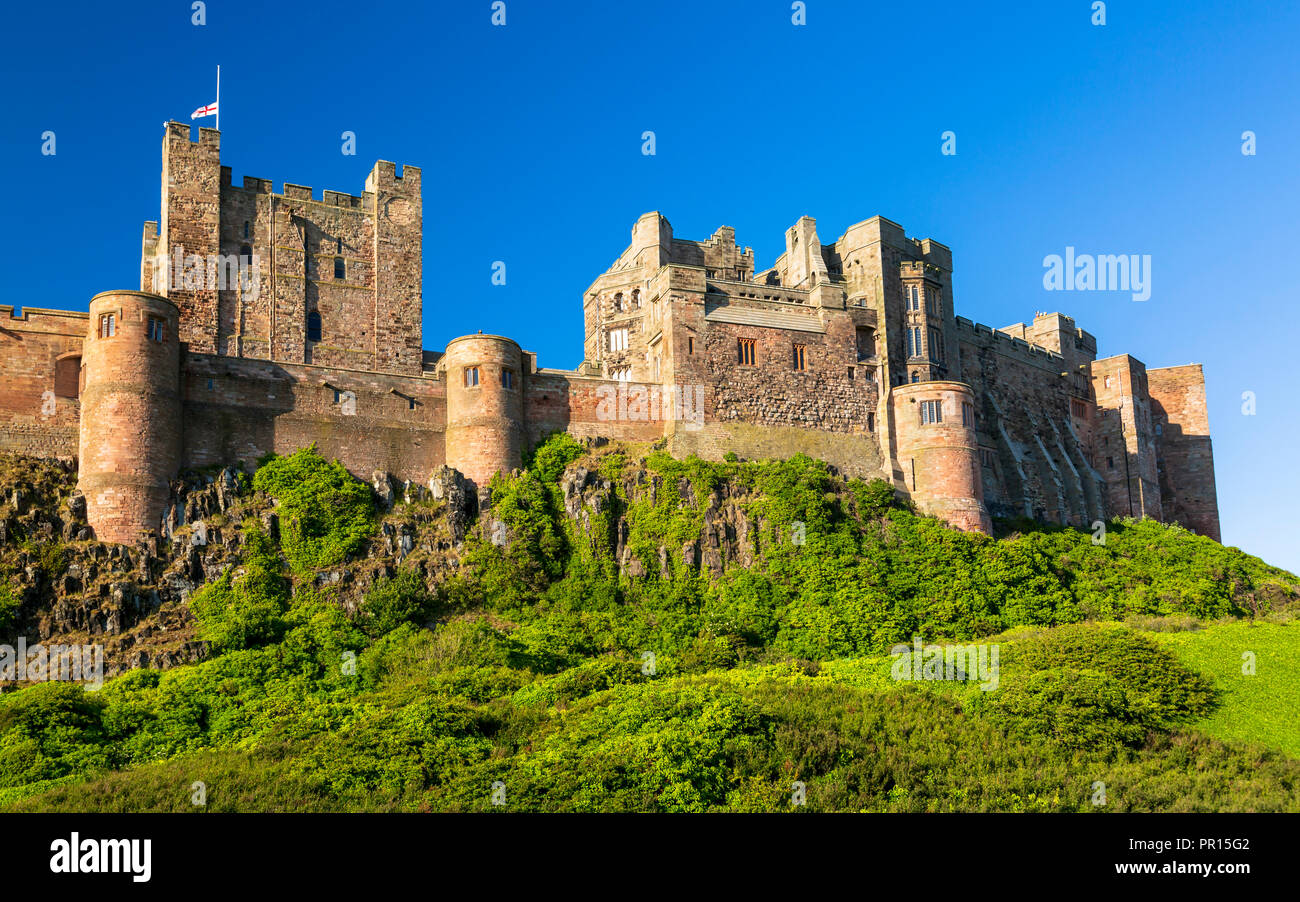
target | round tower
[
  {"x": 485, "y": 407},
  {"x": 938, "y": 453},
  {"x": 130, "y": 412}
]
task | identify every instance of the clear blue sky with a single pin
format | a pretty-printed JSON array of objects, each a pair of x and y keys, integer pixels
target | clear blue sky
[{"x": 1124, "y": 138}]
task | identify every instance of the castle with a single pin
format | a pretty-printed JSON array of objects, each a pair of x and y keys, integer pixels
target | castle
[{"x": 850, "y": 352}]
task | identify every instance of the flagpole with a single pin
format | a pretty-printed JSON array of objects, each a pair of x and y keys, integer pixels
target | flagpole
[{"x": 218, "y": 98}]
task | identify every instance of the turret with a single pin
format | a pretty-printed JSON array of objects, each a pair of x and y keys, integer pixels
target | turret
[
  {"x": 130, "y": 444},
  {"x": 938, "y": 453},
  {"x": 485, "y": 410}
]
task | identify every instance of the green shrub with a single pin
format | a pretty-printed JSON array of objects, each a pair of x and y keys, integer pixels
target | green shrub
[
  {"x": 392, "y": 601},
  {"x": 325, "y": 513},
  {"x": 248, "y": 610}
]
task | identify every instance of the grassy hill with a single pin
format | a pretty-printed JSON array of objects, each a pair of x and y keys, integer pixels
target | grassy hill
[{"x": 619, "y": 630}]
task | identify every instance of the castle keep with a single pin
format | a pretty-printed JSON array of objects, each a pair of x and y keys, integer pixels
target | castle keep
[{"x": 850, "y": 352}]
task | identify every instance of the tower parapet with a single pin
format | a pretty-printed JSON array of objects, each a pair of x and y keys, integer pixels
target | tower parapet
[
  {"x": 485, "y": 408},
  {"x": 130, "y": 412},
  {"x": 938, "y": 451}
]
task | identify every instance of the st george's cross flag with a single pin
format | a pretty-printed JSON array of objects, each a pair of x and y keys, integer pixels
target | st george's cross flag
[{"x": 209, "y": 110}]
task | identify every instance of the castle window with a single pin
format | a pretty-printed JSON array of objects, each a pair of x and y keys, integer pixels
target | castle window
[
  {"x": 1110, "y": 463},
  {"x": 156, "y": 329},
  {"x": 931, "y": 412},
  {"x": 936, "y": 345},
  {"x": 246, "y": 228},
  {"x": 866, "y": 343},
  {"x": 471, "y": 376},
  {"x": 507, "y": 379},
  {"x": 313, "y": 326},
  {"x": 871, "y": 422},
  {"x": 636, "y": 298},
  {"x": 986, "y": 457},
  {"x": 410, "y": 404},
  {"x": 799, "y": 361},
  {"x": 932, "y": 302},
  {"x": 1159, "y": 429},
  {"x": 338, "y": 245},
  {"x": 916, "y": 377},
  {"x": 690, "y": 345},
  {"x": 340, "y": 270},
  {"x": 245, "y": 255},
  {"x": 618, "y": 302},
  {"x": 107, "y": 325},
  {"x": 1108, "y": 381},
  {"x": 745, "y": 351},
  {"x": 913, "y": 298},
  {"x": 1078, "y": 408},
  {"x": 622, "y": 373},
  {"x": 914, "y": 341},
  {"x": 618, "y": 339},
  {"x": 338, "y": 395},
  {"x": 967, "y": 414},
  {"x": 851, "y": 369}
]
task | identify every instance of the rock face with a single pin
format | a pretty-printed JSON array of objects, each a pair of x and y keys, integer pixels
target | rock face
[
  {"x": 727, "y": 533},
  {"x": 133, "y": 599}
]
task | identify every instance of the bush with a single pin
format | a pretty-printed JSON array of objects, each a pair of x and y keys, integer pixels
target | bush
[
  {"x": 249, "y": 610},
  {"x": 393, "y": 601},
  {"x": 325, "y": 513}
]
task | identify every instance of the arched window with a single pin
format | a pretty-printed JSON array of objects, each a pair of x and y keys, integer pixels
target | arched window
[
  {"x": 618, "y": 302},
  {"x": 313, "y": 326},
  {"x": 340, "y": 271},
  {"x": 636, "y": 298}
]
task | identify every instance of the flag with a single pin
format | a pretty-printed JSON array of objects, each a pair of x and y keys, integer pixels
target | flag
[{"x": 209, "y": 110}]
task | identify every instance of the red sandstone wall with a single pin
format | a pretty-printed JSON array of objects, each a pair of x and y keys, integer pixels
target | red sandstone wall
[
  {"x": 242, "y": 409},
  {"x": 940, "y": 461},
  {"x": 484, "y": 417},
  {"x": 1180, "y": 416},
  {"x": 39, "y": 375},
  {"x": 131, "y": 422},
  {"x": 592, "y": 407}
]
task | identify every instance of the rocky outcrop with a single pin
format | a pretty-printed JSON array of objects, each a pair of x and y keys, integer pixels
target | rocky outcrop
[{"x": 728, "y": 534}]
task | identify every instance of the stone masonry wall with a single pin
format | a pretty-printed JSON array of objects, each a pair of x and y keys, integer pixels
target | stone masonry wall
[{"x": 40, "y": 371}]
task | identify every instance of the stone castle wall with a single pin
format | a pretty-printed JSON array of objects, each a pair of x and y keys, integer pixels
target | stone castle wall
[{"x": 833, "y": 351}]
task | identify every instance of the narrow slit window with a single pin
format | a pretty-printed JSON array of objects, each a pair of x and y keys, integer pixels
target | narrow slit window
[
  {"x": 340, "y": 269},
  {"x": 313, "y": 326},
  {"x": 799, "y": 357}
]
